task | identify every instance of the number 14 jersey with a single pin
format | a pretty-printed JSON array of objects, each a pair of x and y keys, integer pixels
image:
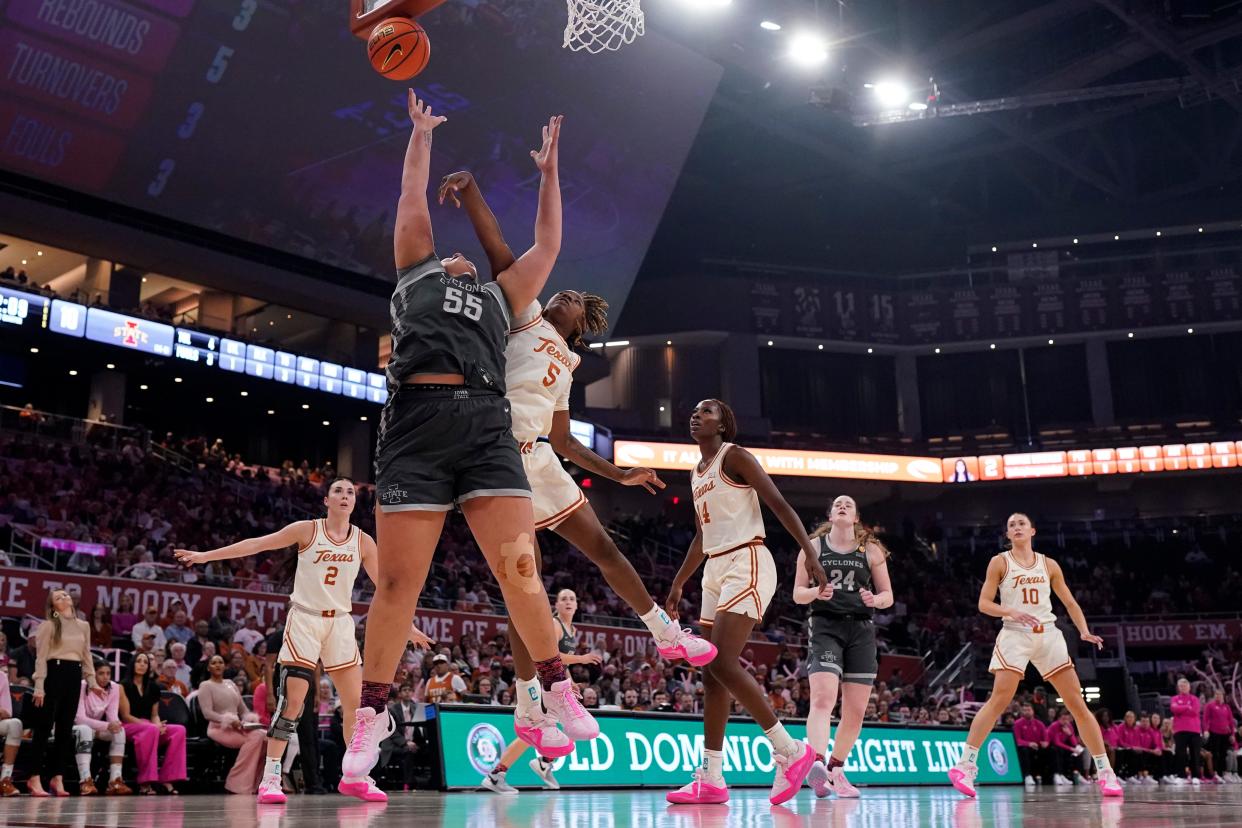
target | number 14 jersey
[{"x": 1027, "y": 589}]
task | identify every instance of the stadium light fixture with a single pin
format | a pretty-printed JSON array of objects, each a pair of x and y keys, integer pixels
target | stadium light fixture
[
  {"x": 993, "y": 248},
  {"x": 34, "y": 350},
  {"x": 327, "y": 422},
  {"x": 918, "y": 106},
  {"x": 937, "y": 350},
  {"x": 871, "y": 350},
  {"x": 38, "y": 252},
  {"x": 617, "y": 343},
  {"x": 668, "y": 342},
  {"x": 72, "y": 372},
  {"x": 176, "y": 379},
  {"x": 769, "y": 343},
  {"x": 808, "y": 49},
  {"x": 1034, "y": 244},
  {"x": 1052, "y": 342},
  {"x": 1116, "y": 237},
  {"x": 1200, "y": 229},
  {"x": 1075, "y": 241},
  {"x": 110, "y": 366},
  {"x": 142, "y": 388},
  {"x": 1158, "y": 233},
  {"x": 821, "y": 347},
  {"x": 363, "y": 418},
  {"x": 245, "y": 393},
  {"x": 1190, "y": 330},
  {"x": 768, "y": 25},
  {"x": 211, "y": 399},
  {"x": 891, "y": 94},
  {"x": 992, "y": 346},
  {"x": 596, "y": 345},
  {"x": 1130, "y": 335},
  {"x": 271, "y": 411},
  {"x": 23, "y": 261},
  {"x": 305, "y": 406}
]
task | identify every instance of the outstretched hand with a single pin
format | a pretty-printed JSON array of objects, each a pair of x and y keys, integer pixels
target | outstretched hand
[
  {"x": 1090, "y": 638},
  {"x": 419, "y": 639},
  {"x": 454, "y": 183},
  {"x": 546, "y": 156},
  {"x": 189, "y": 557},
  {"x": 420, "y": 115},
  {"x": 646, "y": 478}
]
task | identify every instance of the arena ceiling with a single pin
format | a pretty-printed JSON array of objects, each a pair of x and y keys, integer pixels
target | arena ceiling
[{"x": 1117, "y": 114}]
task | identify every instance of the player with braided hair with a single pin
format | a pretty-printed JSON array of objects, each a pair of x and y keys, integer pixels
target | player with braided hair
[{"x": 539, "y": 365}]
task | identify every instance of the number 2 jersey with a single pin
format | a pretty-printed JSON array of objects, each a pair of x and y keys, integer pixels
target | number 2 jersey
[
  {"x": 1027, "y": 589},
  {"x": 539, "y": 372},
  {"x": 447, "y": 325},
  {"x": 326, "y": 571}
]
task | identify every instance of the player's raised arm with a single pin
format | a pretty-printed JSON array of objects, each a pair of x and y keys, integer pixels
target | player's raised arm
[
  {"x": 742, "y": 466},
  {"x": 412, "y": 239},
  {"x": 463, "y": 189},
  {"x": 300, "y": 534},
  {"x": 523, "y": 281}
]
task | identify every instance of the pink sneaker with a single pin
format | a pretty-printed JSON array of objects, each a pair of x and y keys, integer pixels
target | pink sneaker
[
  {"x": 541, "y": 733},
  {"x": 1109, "y": 784},
  {"x": 962, "y": 775},
  {"x": 699, "y": 792},
  {"x": 840, "y": 785},
  {"x": 364, "y": 789},
  {"x": 270, "y": 792},
  {"x": 817, "y": 778},
  {"x": 790, "y": 774},
  {"x": 687, "y": 645},
  {"x": 370, "y": 729},
  {"x": 563, "y": 705}
]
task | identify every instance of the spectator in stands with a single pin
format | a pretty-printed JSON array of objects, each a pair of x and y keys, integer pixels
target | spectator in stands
[
  {"x": 1125, "y": 738},
  {"x": 176, "y": 653},
  {"x": 1031, "y": 738},
  {"x": 1064, "y": 749},
  {"x": 150, "y": 624},
  {"x": 179, "y": 630},
  {"x": 11, "y": 730},
  {"x": 221, "y": 626},
  {"x": 1187, "y": 738},
  {"x": 194, "y": 647},
  {"x": 1219, "y": 723},
  {"x": 590, "y": 698},
  {"x": 249, "y": 635},
  {"x": 168, "y": 679},
  {"x": 64, "y": 660},
  {"x": 445, "y": 686},
  {"x": 101, "y": 625},
  {"x": 225, "y": 711},
  {"x": 5, "y": 659},
  {"x": 403, "y": 742},
  {"x": 145, "y": 569},
  {"x": 124, "y": 619},
  {"x": 98, "y": 718},
  {"x": 200, "y": 670}
]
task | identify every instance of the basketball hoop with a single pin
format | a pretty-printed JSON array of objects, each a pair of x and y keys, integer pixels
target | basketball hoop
[{"x": 603, "y": 25}]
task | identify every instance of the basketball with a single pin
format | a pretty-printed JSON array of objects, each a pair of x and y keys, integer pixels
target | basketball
[{"x": 398, "y": 48}]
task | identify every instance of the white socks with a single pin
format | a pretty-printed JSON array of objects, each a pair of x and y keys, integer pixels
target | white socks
[
  {"x": 659, "y": 623},
  {"x": 272, "y": 768},
  {"x": 6, "y": 772},
  {"x": 529, "y": 695},
  {"x": 782, "y": 742},
  {"x": 713, "y": 763},
  {"x": 1101, "y": 763},
  {"x": 114, "y": 772},
  {"x": 970, "y": 755},
  {"x": 84, "y": 765}
]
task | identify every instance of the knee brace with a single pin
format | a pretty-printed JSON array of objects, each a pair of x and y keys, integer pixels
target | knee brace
[
  {"x": 281, "y": 728},
  {"x": 518, "y": 565},
  {"x": 12, "y": 730}
]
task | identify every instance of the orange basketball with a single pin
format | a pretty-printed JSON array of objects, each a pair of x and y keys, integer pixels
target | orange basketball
[{"x": 398, "y": 48}]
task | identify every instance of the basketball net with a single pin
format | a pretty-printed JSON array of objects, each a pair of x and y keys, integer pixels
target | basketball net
[{"x": 602, "y": 25}]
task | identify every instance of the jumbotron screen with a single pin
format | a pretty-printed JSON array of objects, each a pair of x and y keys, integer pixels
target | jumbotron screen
[{"x": 262, "y": 119}]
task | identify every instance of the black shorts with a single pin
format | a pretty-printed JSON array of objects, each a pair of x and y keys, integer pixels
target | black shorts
[
  {"x": 442, "y": 445},
  {"x": 843, "y": 646}
]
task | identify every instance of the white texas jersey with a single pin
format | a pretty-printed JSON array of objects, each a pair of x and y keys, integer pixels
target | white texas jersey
[
  {"x": 729, "y": 515},
  {"x": 539, "y": 368},
  {"x": 1027, "y": 589},
  {"x": 327, "y": 570}
]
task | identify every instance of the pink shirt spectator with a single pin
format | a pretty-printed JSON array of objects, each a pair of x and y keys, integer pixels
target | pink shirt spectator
[
  {"x": 123, "y": 623},
  {"x": 1185, "y": 709},
  {"x": 260, "y": 703},
  {"x": 1062, "y": 737},
  {"x": 1127, "y": 735},
  {"x": 99, "y": 712},
  {"x": 1218, "y": 718},
  {"x": 1110, "y": 734},
  {"x": 1149, "y": 739},
  {"x": 1029, "y": 732}
]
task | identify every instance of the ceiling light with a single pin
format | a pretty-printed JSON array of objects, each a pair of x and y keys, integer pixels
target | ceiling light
[
  {"x": 871, "y": 350},
  {"x": 769, "y": 342},
  {"x": 596, "y": 345},
  {"x": 1116, "y": 237},
  {"x": 1075, "y": 241},
  {"x": 144, "y": 280},
  {"x": 808, "y": 49},
  {"x": 38, "y": 252},
  {"x": 770, "y": 26},
  {"x": 34, "y": 350},
  {"x": 245, "y": 393},
  {"x": 937, "y": 350},
  {"x": 176, "y": 379},
  {"x": 110, "y": 367},
  {"x": 1052, "y": 342},
  {"x": 1157, "y": 232},
  {"x": 142, "y": 388},
  {"x": 271, "y": 411},
  {"x": 1034, "y": 244},
  {"x": 821, "y": 347},
  {"x": 617, "y": 343},
  {"x": 327, "y": 422},
  {"x": 1200, "y": 229},
  {"x": 1130, "y": 335},
  {"x": 918, "y": 106},
  {"x": 993, "y": 346},
  {"x": 23, "y": 261},
  {"x": 363, "y": 418},
  {"x": 72, "y": 372},
  {"x": 661, "y": 408},
  {"x": 891, "y": 94},
  {"x": 668, "y": 342},
  {"x": 211, "y": 399},
  {"x": 305, "y": 406},
  {"x": 288, "y": 316},
  {"x": 1190, "y": 330},
  {"x": 993, "y": 248}
]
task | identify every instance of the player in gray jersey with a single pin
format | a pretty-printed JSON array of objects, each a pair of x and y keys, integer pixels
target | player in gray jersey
[
  {"x": 842, "y": 649},
  {"x": 446, "y": 440}
]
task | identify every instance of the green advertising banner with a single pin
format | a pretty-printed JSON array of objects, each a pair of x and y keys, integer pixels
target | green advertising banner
[{"x": 662, "y": 750}]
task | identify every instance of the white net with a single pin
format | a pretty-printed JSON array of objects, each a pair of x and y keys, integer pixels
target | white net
[{"x": 602, "y": 25}]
